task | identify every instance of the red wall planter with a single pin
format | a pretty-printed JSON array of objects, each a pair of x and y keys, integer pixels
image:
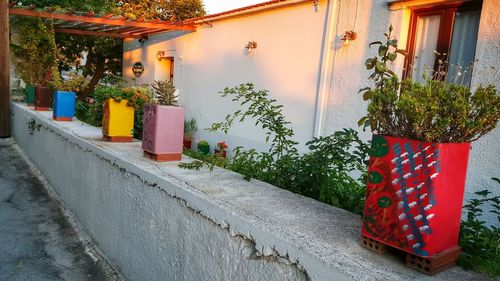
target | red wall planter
[
  {"x": 43, "y": 98},
  {"x": 414, "y": 194}
]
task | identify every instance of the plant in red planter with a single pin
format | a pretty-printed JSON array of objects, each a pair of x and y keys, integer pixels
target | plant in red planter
[
  {"x": 418, "y": 160},
  {"x": 43, "y": 98},
  {"x": 221, "y": 149},
  {"x": 190, "y": 127},
  {"x": 163, "y": 131}
]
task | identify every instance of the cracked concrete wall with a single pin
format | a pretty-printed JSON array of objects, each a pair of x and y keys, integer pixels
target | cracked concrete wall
[{"x": 145, "y": 232}]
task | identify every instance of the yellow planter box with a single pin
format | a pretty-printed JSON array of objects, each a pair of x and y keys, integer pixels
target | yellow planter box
[{"x": 117, "y": 120}]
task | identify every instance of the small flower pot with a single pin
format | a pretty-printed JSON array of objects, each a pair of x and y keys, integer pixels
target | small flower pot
[
  {"x": 187, "y": 143},
  {"x": 64, "y": 106},
  {"x": 204, "y": 148},
  {"x": 414, "y": 194},
  {"x": 163, "y": 132},
  {"x": 220, "y": 153},
  {"x": 117, "y": 121},
  {"x": 43, "y": 98},
  {"x": 29, "y": 92}
]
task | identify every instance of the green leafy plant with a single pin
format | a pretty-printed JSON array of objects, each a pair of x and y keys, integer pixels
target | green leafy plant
[
  {"x": 190, "y": 128},
  {"x": 164, "y": 93},
  {"x": 333, "y": 171},
  {"x": 91, "y": 110},
  {"x": 203, "y": 147},
  {"x": 33, "y": 50},
  {"x": 481, "y": 243},
  {"x": 433, "y": 111}
]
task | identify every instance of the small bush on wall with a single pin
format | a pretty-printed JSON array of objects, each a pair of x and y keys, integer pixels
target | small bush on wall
[{"x": 333, "y": 171}]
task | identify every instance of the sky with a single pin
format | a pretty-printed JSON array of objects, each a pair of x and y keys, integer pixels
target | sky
[{"x": 216, "y": 6}]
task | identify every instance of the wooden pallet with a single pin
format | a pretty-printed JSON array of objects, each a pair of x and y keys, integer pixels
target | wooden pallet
[
  {"x": 63, "y": 118},
  {"x": 428, "y": 265},
  {"x": 117, "y": 139},
  {"x": 163, "y": 157}
]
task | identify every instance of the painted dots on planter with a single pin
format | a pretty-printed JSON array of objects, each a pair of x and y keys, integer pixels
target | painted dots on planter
[
  {"x": 379, "y": 147},
  {"x": 375, "y": 177}
]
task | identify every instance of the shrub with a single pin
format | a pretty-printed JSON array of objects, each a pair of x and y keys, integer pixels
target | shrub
[
  {"x": 333, "y": 171},
  {"x": 481, "y": 243},
  {"x": 434, "y": 111},
  {"x": 90, "y": 110}
]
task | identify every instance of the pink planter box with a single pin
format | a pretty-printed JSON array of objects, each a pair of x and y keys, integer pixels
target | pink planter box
[{"x": 163, "y": 132}]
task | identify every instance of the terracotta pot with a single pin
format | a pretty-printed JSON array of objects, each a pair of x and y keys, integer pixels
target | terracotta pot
[
  {"x": 43, "y": 98},
  {"x": 221, "y": 153},
  {"x": 414, "y": 194},
  {"x": 64, "y": 105},
  {"x": 187, "y": 143},
  {"x": 117, "y": 121},
  {"x": 163, "y": 132}
]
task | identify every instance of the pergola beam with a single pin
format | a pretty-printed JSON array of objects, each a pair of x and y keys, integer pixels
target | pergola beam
[
  {"x": 96, "y": 33},
  {"x": 100, "y": 20}
]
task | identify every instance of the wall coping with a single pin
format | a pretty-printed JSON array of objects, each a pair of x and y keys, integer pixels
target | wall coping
[{"x": 320, "y": 239}]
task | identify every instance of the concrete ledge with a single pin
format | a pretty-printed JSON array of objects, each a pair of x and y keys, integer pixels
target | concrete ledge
[{"x": 155, "y": 221}]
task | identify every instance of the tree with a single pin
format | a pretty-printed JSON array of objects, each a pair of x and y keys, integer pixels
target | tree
[
  {"x": 104, "y": 55},
  {"x": 169, "y": 10}
]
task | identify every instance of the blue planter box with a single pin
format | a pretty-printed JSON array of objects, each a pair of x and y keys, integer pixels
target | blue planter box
[{"x": 64, "y": 105}]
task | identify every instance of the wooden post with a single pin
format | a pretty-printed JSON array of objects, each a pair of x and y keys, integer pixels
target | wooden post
[{"x": 4, "y": 70}]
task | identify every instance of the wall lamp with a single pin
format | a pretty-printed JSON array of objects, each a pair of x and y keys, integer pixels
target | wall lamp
[
  {"x": 349, "y": 36},
  {"x": 161, "y": 55},
  {"x": 251, "y": 45}
]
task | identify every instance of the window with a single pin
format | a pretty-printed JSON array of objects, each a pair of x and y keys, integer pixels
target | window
[{"x": 443, "y": 37}]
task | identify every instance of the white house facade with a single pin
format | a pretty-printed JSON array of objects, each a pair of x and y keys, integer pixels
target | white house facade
[{"x": 301, "y": 59}]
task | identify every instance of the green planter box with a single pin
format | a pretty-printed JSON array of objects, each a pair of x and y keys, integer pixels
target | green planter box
[{"x": 29, "y": 92}]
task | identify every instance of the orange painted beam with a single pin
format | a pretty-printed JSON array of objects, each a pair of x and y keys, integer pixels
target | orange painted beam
[
  {"x": 100, "y": 20},
  {"x": 96, "y": 33}
]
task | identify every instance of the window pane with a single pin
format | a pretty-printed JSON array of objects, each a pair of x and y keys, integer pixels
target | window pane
[
  {"x": 463, "y": 47},
  {"x": 426, "y": 39}
]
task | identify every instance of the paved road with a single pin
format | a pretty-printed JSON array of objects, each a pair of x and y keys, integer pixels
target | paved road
[{"x": 36, "y": 241}]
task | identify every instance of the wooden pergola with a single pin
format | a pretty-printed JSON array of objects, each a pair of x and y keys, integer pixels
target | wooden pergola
[{"x": 73, "y": 23}]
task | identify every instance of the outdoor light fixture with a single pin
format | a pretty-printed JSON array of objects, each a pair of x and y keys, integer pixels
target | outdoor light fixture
[
  {"x": 251, "y": 45},
  {"x": 161, "y": 55},
  {"x": 349, "y": 36}
]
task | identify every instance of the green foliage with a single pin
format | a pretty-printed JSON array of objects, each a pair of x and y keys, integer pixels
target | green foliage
[
  {"x": 90, "y": 110},
  {"x": 481, "y": 243},
  {"x": 33, "y": 50},
  {"x": 75, "y": 83},
  {"x": 433, "y": 111},
  {"x": 169, "y": 10},
  {"x": 164, "y": 93},
  {"x": 267, "y": 114},
  {"x": 333, "y": 171},
  {"x": 190, "y": 127}
]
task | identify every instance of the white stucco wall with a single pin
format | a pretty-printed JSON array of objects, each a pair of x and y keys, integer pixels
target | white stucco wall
[
  {"x": 286, "y": 62},
  {"x": 295, "y": 64},
  {"x": 156, "y": 221}
]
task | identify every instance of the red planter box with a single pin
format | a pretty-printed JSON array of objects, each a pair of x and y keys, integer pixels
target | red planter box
[
  {"x": 414, "y": 194},
  {"x": 43, "y": 98}
]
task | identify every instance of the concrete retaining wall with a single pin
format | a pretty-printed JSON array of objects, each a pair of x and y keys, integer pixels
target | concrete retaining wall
[{"x": 155, "y": 221}]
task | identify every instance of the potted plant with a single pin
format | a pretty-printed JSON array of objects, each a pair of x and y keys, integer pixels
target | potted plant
[
  {"x": 29, "y": 92},
  {"x": 117, "y": 116},
  {"x": 221, "y": 149},
  {"x": 163, "y": 129},
  {"x": 204, "y": 147},
  {"x": 64, "y": 99},
  {"x": 34, "y": 57},
  {"x": 418, "y": 159},
  {"x": 190, "y": 127}
]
